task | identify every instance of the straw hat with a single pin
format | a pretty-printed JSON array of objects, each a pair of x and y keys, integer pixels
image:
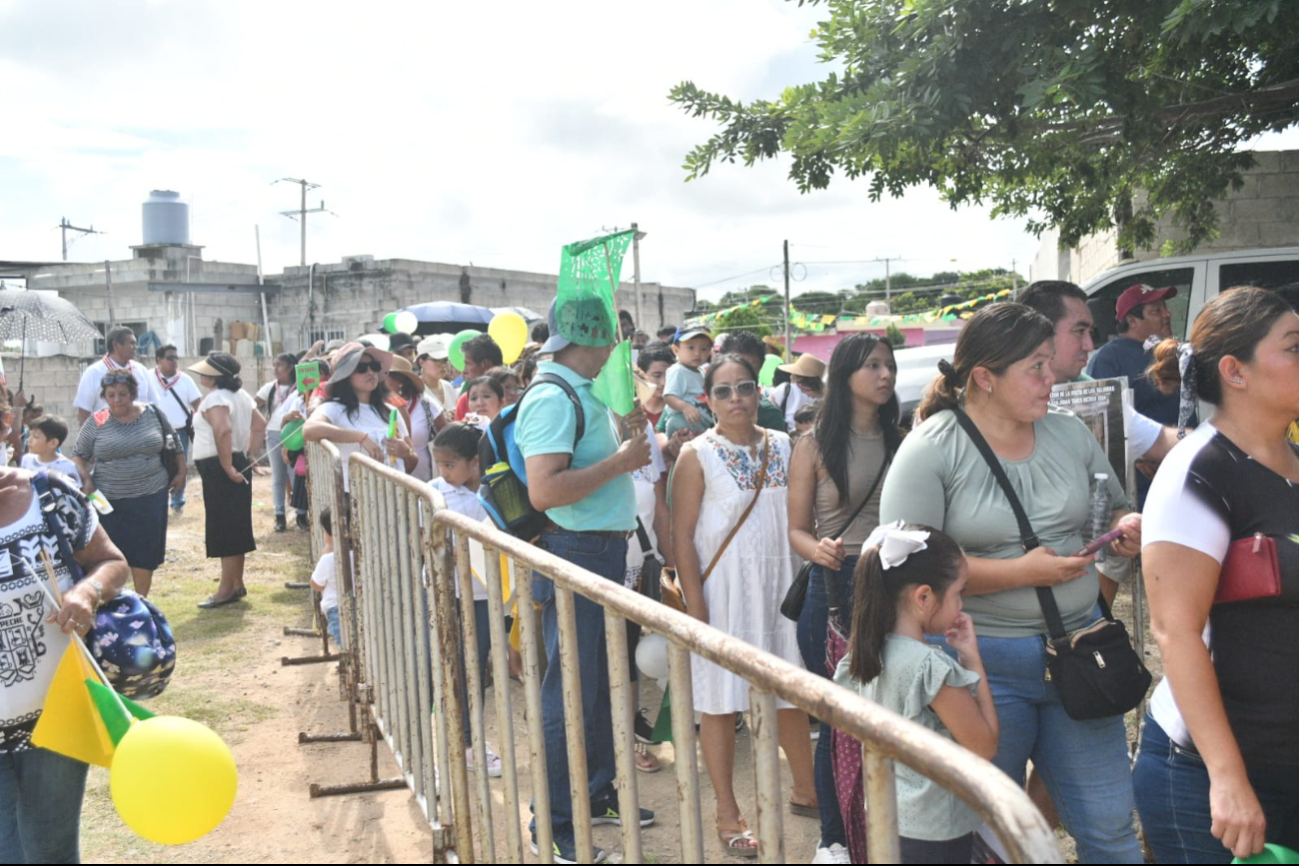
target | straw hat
[
  {"x": 808, "y": 366},
  {"x": 216, "y": 365},
  {"x": 401, "y": 367}
]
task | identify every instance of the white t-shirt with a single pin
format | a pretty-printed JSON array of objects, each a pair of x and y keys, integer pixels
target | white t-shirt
[
  {"x": 88, "y": 398},
  {"x": 797, "y": 400},
  {"x": 366, "y": 420},
  {"x": 241, "y": 406},
  {"x": 444, "y": 399},
  {"x": 277, "y": 399},
  {"x": 183, "y": 387},
  {"x": 325, "y": 578},
  {"x": 645, "y": 480},
  {"x": 464, "y": 501},
  {"x": 32, "y": 463},
  {"x": 1143, "y": 433}
]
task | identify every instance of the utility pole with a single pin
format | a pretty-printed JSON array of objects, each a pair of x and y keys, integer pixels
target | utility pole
[
  {"x": 635, "y": 259},
  {"x": 301, "y": 213},
  {"x": 789, "y": 343},
  {"x": 888, "y": 282},
  {"x": 108, "y": 281},
  {"x": 66, "y": 226},
  {"x": 1014, "y": 281}
]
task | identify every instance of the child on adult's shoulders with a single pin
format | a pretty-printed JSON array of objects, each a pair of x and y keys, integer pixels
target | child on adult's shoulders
[
  {"x": 683, "y": 393},
  {"x": 45, "y": 434}
]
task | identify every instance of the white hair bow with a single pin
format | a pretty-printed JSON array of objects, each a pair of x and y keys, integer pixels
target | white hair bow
[{"x": 895, "y": 543}]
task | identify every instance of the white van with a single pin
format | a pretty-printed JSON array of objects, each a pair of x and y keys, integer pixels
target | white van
[{"x": 1198, "y": 278}]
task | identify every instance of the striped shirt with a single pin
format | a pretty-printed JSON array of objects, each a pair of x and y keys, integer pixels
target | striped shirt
[{"x": 127, "y": 457}]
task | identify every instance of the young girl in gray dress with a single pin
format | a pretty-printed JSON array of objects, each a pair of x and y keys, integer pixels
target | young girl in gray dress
[{"x": 908, "y": 585}]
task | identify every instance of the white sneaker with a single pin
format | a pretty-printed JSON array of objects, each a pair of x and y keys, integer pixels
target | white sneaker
[
  {"x": 836, "y": 853},
  {"x": 494, "y": 766}
]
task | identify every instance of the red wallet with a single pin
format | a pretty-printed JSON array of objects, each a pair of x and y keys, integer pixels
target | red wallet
[{"x": 1251, "y": 570}]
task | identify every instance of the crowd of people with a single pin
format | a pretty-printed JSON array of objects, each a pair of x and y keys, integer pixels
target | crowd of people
[{"x": 906, "y": 540}]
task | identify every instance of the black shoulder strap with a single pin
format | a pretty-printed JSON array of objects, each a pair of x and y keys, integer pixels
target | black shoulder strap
[
  {"x": 554, "y": 379},
  {"x": 831, "y": 580},
  {"x": 183, "y": 407},
  {"x": 1045, "y": 597},
  {"x": 643, "y": 537}
]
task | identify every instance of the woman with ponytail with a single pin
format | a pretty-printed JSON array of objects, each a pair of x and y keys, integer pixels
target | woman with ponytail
[
  {"x": 835, "y": 479},
  {"x": 1000, "y": 377},
  {"x": 1219, "y": 759},
  {"x": 908, "y": 585}
]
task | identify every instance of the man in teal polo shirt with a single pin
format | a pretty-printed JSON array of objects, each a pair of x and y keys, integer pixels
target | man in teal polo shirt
[{"x": 587, "y": 493}]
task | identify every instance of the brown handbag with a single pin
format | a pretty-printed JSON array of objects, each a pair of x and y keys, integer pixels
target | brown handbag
[{"x": 669, "y": 587}]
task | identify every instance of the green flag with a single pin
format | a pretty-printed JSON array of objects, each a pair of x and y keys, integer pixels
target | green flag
[
  {"x": 614, "y": 387},
  {"x": 663, "y": 722},
  {"x": 111, "y": 712},
  {"x": 588, "y": 279}
]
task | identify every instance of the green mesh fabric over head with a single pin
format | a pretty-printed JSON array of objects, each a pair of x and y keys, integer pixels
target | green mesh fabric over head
[{"x": 588, "y": 277}]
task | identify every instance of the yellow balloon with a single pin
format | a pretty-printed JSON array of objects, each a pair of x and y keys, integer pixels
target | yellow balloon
[
  {"x": 510, "y": 332},
  {"x": 173, "y": 780}
]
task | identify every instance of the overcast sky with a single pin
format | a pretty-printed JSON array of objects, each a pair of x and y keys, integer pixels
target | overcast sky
[{"x": 489, "y": 133}]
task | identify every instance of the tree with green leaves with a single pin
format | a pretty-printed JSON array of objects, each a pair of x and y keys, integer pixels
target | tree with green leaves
[{"x": 1081, "y": 115}]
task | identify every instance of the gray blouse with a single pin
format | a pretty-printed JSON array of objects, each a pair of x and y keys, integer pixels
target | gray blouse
[{"x": 127, "y": 457}]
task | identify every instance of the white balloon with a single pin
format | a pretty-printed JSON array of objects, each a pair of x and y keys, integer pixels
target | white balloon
[
  {"x": 406, "y": 322},
  {"x": 652, "y": 656}
]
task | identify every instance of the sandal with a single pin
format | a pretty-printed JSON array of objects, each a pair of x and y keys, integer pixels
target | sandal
[
  {"x": 737, "y": 839},
  {"x": 646, "y": 762},
  {"x": 804, "y": 810}
]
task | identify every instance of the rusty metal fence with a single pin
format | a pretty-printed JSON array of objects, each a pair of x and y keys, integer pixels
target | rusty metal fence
[{"x": 409, "y": 626}]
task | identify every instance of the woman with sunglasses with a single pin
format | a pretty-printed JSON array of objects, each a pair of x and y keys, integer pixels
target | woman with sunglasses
[
  {"x": 123, "y": 444},
  {"x": 228, "y": 434},
  {"x": 355, "y": 417},
  {"x": 836, "y": 476},
  {"x": 735, "y": 566}
]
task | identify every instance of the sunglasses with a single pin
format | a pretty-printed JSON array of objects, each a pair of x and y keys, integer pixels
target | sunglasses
[
  {"x": 372, "y": 367},
  {"x": 747, "y": 388},
  {"x": 117, "y": 379}
]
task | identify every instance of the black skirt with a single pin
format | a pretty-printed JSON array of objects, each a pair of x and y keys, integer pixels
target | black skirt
[
  {"x": 138, "y": 526},
  {"x": 228, "y": 506}
]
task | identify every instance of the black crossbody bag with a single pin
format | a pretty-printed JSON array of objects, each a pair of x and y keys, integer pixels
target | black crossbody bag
[
  {"x": 1096, "y": 671},
  {"x": 796, "y": 596}
]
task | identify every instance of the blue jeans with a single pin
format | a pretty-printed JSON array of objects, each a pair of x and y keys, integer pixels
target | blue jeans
[
  {"x": 40, "y": 807},
  {"x": 281, "y": 474},
  {"x": 332, "y": 626},
  {"x": 1083, "y": 763},
  {"x": 607, "y": 557},
  {"x": 1172, "y": 790},
  {"x": 178, "y": 498},
  {"x": 812, "y": 628}
]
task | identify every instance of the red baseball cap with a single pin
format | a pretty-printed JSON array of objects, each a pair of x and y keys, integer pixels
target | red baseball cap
[{"x": 1135, "y": 296}]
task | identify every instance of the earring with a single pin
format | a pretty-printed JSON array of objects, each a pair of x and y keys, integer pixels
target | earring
[{"x": 1238, "y": 381}]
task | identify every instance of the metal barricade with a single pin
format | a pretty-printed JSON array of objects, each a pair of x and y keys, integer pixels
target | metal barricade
[
  {"x": 325, "y": 471},
  {"x": 418, "y": 647},
  {"x": 319, "y": 496}
]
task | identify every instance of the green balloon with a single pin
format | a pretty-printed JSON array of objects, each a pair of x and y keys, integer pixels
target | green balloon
[
  {"x": 767, "y": 375},
  {"x": 456, "y": 352},
  {"x": 390, "y": 323}
]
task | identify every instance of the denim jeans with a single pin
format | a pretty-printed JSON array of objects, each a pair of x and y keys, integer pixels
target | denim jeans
[
  {"x": 40, "y": 807},
  {"x": 1172, "y": 790},
  {"x": 281, "y": 474},
  {"x": 812, "y": 628},
  {"x": 333, "y": 627},
  {"x": 607, "y": 557},
  {"x": 178, "y": 498},
  {"x": 1083, "y": 763}
]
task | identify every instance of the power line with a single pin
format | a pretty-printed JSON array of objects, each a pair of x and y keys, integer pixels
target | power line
[
  {"x": 67, "y": 227},
  {"x": 301, "y": 213}
]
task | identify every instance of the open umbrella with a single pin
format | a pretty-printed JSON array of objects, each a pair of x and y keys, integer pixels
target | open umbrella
[
  {"x": 41, "y": 317},
  {"x": 448, "y": 317}
]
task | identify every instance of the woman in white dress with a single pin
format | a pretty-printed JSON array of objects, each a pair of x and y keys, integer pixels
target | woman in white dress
[{"x": 714, "y": 484}]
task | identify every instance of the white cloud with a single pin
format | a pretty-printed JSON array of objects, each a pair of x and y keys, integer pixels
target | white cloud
[{"x": 490, "y": 133}]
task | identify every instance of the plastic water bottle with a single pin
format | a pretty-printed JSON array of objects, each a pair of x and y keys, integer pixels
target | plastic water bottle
[{"x": 1100, "y": 511}]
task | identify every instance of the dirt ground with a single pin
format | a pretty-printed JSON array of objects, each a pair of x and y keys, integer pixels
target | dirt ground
[{"x": 229, "y": 676}]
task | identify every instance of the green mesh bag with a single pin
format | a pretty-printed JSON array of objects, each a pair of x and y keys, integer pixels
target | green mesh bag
[{"x": 588, "y": 277}]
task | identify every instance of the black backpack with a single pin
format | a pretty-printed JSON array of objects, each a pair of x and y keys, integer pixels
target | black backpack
[{"x": 504, "y": 488}]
